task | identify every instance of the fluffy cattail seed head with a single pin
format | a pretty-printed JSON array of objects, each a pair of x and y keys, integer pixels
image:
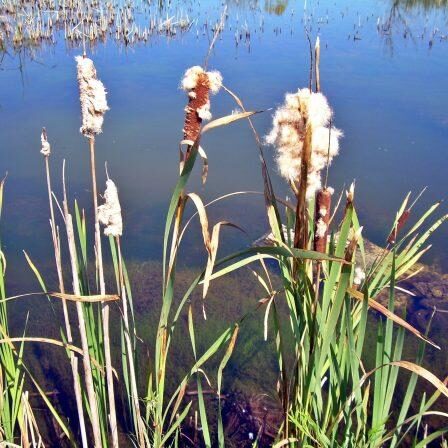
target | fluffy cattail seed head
[
  {"x": 109, "y": 214},
  {"x": 353, "y": 239},
  {"x": 359, "y": 277},
  {"x": 322, "y": 219},
  {"x": 198, "y": 84},
  {"x": 301, "y": 109},
  {"x": 92, "y": 95},
  {"x": 46, "y": 148}
]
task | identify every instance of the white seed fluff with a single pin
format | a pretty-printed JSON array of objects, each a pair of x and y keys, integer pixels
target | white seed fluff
[
  {"x": 288, "y": 134},
  {"x": 360, "y": 275},
  {"x": 109, "y": 214},
  {"x": 321, "y": 228},
  {"x": 92, "y": 95},
  {"x": 46, "y": 148},
  {"x": 191, "y": 76},
  {"x": 204, "y": 112}
]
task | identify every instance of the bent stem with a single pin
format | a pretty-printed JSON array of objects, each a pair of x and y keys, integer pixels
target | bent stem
[
  {"x": 105, "y": 306},
  {"x": 68, "y": 330}
]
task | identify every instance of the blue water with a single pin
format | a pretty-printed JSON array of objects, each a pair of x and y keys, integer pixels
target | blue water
[{"x": 387, "y": 86}]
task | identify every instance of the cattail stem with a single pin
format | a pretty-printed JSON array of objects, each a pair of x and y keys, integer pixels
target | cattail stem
[
  {"x": 68, "y": 330},
  {"x": 139, "y": 426},
  {"x": 317, "y": 63},
  {"x": 105, "y": 306},
  {"x": 82, "y": 324},
  {"x": 301, "y": 224}
]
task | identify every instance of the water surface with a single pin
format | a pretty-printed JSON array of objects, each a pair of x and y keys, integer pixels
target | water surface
[{"x": 384, "y": 67}]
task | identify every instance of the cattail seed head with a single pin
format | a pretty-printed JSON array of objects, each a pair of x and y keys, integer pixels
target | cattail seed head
[
  {"x": 350, "y": 193},
  {"x": 198, "y": 84},
  {"x": 353, "y": 239},
  {"x": 46, "y": 148},
  {"x": 109, "y": 214},
  {"x": 92, "y": 95},
  {"x": 322, "y": 219},
  {"x": 301, "y": 109},
  {"x": 359, "y": 277},
  {"x": 402, "y": 220}
]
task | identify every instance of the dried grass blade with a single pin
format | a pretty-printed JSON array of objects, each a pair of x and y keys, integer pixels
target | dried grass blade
[
  {"x": 85, "y": 299},
  {"x": 398, "y": 320},
  {"x": 224, "y": 121}
]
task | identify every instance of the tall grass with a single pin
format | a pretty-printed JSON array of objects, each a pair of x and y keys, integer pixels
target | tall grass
[{"x": 318, "y": 316}]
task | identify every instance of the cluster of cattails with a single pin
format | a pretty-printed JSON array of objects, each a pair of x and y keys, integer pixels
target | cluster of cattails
[
  {"x": 198, "y": 84},
  {"x": 30, "y": 23}
]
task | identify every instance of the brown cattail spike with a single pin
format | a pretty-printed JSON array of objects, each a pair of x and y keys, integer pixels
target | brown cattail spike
[
  {"x": 400, "y": 224},
  {"x": 196, "y": 110},
  {"x": 198, "y": 84},
  {"x": 322, "y": 219}
]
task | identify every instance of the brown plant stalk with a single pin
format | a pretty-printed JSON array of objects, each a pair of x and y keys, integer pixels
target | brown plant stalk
[
  {"x": 91, "y": 395},
  {"x": 57, "y": 254},
  {"x": 105, "y": 309}
]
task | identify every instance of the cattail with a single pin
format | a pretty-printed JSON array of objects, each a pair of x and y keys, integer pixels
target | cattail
[
  {"x": 299, "y": 111},
  {"x": 402, "y": 220},
  {"x": 46, "y": 148},
  {"x": 92, "y": 95},
  {"x": 350, "y": 193},
  {"x": 359, "y": 277},
  {"x": 322, "y": 219},
  {"x": 198, "y": 84},
  {"x": 109, "y": 214},
  {"x": 353, "y": 239}
]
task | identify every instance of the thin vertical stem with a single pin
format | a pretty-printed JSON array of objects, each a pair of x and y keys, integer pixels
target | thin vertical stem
[
  {"x": 301, "y": 225},
  {"x": 317, "y": 63},
  {"x": 82, "y": 325},
  {"x": 134, "y": 391},
  {"x": 105, "y": 306},
  {"x": 68, "y": 330}
]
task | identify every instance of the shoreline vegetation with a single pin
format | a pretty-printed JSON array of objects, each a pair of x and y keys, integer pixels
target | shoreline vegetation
[{"x": 314, "y": 308}]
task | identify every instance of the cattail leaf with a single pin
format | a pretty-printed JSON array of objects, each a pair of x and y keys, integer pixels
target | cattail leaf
[
  {"x": 390, "y": 315},
  {"x": 204, "y": 158},
  {"x": 176, "y": 424},
  {"x": 202, "y": 218},
  {"x": 7, "y": 340},
  {"x": 214, "y": 243},
  {"x": 224, "y": 121},
  {"x": 285, "y": 442},
  {"x": 414, "y": 368},
  {"x": 86, "y": 299},
  {"x": 222, "y": 365}
]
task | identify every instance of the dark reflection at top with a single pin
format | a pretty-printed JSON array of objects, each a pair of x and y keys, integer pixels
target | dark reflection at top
[
  {"x": 277, "y": 7},
  {"x": 425, "y": 4}
]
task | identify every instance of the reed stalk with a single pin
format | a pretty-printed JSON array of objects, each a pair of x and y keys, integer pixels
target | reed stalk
[
  {"x": 92, "y": 398},
  {"x": 68, "y": 330},
  {"x": 139, "y": 424},
  {"x": 105, "y": 310}
]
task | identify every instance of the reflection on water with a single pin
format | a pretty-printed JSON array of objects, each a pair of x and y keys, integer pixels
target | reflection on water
[
  {"x": 277, "y": 7},
  {"x": 426, "y": 4}
]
